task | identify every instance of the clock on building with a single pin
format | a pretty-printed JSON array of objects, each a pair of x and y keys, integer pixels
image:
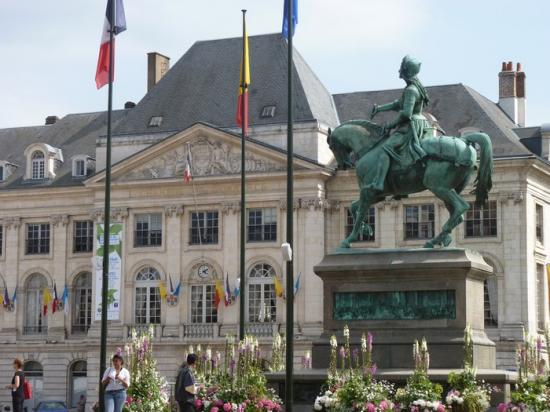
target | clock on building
[{"x": 203, "y": 271}]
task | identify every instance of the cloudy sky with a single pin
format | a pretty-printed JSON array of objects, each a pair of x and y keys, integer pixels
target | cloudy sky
[{"x": 49, "y": 48}]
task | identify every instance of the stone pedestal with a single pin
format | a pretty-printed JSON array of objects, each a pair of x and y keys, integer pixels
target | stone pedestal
[{"x": 400, "y": 295}]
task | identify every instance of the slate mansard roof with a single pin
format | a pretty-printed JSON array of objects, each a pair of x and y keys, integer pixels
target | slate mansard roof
[{"x": 202, "y": 87}]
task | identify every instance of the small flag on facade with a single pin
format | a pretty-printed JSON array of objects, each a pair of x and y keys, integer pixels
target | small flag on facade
[
  {"x": 187, "y": 172},
  {"x": 218, "y": 296},
  {"x": 278, "y": 287},
  {"x": 227, "y": 293},
  {"x": 162, "y": 289},
  {"x": 237, "y": 289},
  {"x": 46, "y": 300},
  {"x": 6, "y": 300},
  {"x": 65, "y": 299},
  {"x": 297, "y": 284},
  {"x": 118, "y": 24},
  {"x": 14, "y": 299},
  {"x": 244, "y": 85},
  {"x": 294, "y": 18},
  {"x": 55, "y": 301}
]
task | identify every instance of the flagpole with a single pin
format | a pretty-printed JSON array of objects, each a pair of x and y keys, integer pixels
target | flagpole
[
  {"x": 242, "y": 286},
  {"x": 289, "y": 386},
  {"x": 107, "y": 217}
]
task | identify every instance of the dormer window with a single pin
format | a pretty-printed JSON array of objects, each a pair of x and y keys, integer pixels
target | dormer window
[
  {"x": 155, "y": 121},
  {"x": 38, "y": 165},
  {"x": 82, "y": 164},
  {"x": 79, "y": 168},
  {"x": 268, "y": 111}
]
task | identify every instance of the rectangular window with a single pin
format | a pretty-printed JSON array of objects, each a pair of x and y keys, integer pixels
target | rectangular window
[
  {"x": 541, "y": 298},
  {"x": 148, "y": 230},
  {"x": 147, "y": 309},
  {"x": 83, "y": 236},
  {"x": 203, "y": 308},
  {"x": 419, "y": 222},
  {"x": 1, "y": 173},
  {"x": 481, "y": 221},
  {"x": 262, "y": 302},
  {"x": 79, "y": 168},
  {"x": 38, "y": 238},
  {"x": 539, "y": 224},
  {"x": 204, "y": 228},
  {"x": 262, "y": 225},
  {"x": 369, "y": 219}
]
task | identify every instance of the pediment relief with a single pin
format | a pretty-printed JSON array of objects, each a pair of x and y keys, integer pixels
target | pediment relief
[{"x": 209, "y": 157}]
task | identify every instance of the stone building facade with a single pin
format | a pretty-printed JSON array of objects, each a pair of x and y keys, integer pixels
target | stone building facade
[{"x": 52, "y": 193}]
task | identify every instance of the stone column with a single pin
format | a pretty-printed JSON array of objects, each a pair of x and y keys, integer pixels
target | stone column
[
  {"x": 12, "y": 226},
  {"x": 58, "y": 244}
]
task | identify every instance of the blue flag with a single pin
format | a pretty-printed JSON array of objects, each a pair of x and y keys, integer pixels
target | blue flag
[
  {"x": 297, "y": 284},
  {"x": 294, "y": 18}
]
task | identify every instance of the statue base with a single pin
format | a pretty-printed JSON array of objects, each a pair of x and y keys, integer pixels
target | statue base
[{"x": 400, "y": 295}]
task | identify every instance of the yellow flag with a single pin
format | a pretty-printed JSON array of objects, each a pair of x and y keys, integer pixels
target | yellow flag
[
  {"x": 1, "y": 300},
  {"x": 162, "y": 290},
  {"x": 278, "y": 287},
  {"x": 46, "y": 296}
]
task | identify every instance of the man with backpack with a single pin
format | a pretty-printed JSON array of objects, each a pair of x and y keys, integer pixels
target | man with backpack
[{"x": 185, "y": 385}]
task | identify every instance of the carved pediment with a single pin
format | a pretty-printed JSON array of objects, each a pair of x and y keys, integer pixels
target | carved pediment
[{"x": 209, "y": 157}]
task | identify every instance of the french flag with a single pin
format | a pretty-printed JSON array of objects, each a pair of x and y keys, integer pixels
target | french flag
[
  {"x": 104, "y": 59},
  {"x": 187, "y": 172}
]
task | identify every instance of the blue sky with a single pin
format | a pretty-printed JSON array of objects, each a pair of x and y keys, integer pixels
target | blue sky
[{"x": 49, "y": 48}]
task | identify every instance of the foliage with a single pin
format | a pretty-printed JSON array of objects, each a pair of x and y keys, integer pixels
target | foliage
[
  {"x": 353, "y": 388},
  {"x": 467, "y": 394},
  {"x": 420, "y": 394},
  {"x": 148, "y": 390},
  {"x": 238, "y": 385}
]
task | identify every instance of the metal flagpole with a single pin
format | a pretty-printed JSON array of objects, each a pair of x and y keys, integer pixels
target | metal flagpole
[
  {"x": 243, "y": 90},
  {"x": 107, "y": 218},
  {"x": 289, "y": 387}
]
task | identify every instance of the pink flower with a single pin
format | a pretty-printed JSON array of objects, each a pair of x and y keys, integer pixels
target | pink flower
[
  {"x": 502, "y": 407},
  {"x": 198, "y": 404},
  {"x": 227, "y": 407},
  {"x": 441, "y": 408},
  {"x": 218, "y": 403},
  {"x": 214, "y": 409},
  {"x": 383, "y": 405},
  {"x": 370, "y": 407}
]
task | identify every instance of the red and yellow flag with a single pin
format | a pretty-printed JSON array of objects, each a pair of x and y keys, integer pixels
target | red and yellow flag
[
  {"x": 244, "y": 84},
  {"x": 218, "y": 296},
  {"x": 46, "y": 299}
]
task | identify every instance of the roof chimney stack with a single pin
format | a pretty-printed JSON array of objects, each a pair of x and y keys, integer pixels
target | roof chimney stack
[
  {"x": 511, "y": 92},
  {"x": 51, "y": 120},
  {"x": 157, "y": 66}
]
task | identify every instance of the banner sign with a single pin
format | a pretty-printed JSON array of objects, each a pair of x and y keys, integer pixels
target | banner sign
[{"x": 115, "y": 270}]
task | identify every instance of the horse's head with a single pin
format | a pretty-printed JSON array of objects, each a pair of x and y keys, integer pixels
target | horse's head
[{"x": 351, "y": 140}]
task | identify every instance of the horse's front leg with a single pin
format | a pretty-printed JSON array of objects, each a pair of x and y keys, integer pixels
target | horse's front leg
[{"x": 360, "y": 207}]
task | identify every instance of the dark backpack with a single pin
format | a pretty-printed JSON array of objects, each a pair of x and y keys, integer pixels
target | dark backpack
[{"x": 181, "y": 394}]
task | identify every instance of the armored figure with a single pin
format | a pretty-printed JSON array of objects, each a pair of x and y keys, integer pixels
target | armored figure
[{"x": 403, "y": 144}]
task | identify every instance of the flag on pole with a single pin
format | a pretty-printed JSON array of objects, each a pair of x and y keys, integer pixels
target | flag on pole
[
  {"x": 118, "y": 23},
  {"x": 171, "y": 285},
  {"x": 244, "y": 84},
  {"x": 278, "y": 287},
  {"x": 177, "y": 290},
  {"x": 227, "y": 293},
  {"x": 297, "y": 284},
  {"x": 237, "y": 289},
  {"x": 55, "y": 301},
  {"x": 187, "y": 172},
  {"x": 6, "y": 300},
  {"x": 294, "y": 18},
  {"x": 218, "y": 296},
  {"x": 14, "y": 299},
  {"x": 2, "y": 300},
  {"x": 46, "y": 299},
  {"x": 65, "y": 299},
  {"x": 162, "y": 289}
]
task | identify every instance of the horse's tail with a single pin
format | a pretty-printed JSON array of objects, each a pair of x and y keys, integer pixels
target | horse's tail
[{"x": 483, "y": 183}]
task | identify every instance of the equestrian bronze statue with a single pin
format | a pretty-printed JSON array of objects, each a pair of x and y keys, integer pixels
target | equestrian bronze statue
[{"x": 406, "y": 156}]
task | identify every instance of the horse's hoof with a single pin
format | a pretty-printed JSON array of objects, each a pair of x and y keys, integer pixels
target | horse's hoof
[
  {"x": 429, "y": 245},
  {"x": 447, "y": 240},
  {"x": 345, "y": 244}
]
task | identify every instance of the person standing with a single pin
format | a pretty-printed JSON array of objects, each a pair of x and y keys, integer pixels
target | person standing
[
  {"x": 17, "y": 394},
  {"x": 116, "y": 380},
  {"x": 185, "y": 385}
]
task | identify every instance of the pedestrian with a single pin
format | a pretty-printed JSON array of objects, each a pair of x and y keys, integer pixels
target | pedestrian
[
  {"x": 81, "y": 404},
  {"x": 17, "y": 395},
  {"x": 116, "y": 380},
  {"x": 185, "y": 385}
]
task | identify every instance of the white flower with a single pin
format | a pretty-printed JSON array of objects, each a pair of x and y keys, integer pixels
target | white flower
[
  {"x": 346, "y": 332},
  {"x": 333, "y": 342}
]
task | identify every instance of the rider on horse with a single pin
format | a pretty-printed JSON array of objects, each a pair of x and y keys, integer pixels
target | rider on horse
[{"x": 403, "y": 144}]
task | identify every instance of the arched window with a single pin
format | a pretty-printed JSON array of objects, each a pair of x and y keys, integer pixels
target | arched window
[
  {"x": 262, "y": 300},
  {"x": 35, "y": 321},
  {"x": 147, "y": 296},
  {"x": 35, "y": 375},
  {"x": 37, "y": 165},
  {"x": 82, "y": 303},
  {"x": 78, "y": 382}
]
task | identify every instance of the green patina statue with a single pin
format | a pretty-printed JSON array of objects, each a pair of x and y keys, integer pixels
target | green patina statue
[{"x": 405, "y": 156}]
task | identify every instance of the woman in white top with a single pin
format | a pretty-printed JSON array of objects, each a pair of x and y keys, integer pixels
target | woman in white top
[{"x": 116, "y": 380}]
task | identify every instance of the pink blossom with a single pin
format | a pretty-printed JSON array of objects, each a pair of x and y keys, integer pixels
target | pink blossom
[
  {"x": 198, "y": 404},
  {"x": 214, "y": 409},
  {"x": 369, "y": 341},
  {"x": 502, "y": 407},
  {"x": 218, "y": 403},
  {"x": 370, "y": 407},
  {"x": 383, "y": 405},
  {"x": 440, "y": 408},
  {"x": 227, "y": 407}
]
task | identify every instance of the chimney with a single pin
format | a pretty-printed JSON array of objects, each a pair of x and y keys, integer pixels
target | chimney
[
  {"x": 51, "y": 120},
  {"x": 157, "y": 66},
  {"x": 129, "y": 105},
  {"x": 511, "y": 92}
]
